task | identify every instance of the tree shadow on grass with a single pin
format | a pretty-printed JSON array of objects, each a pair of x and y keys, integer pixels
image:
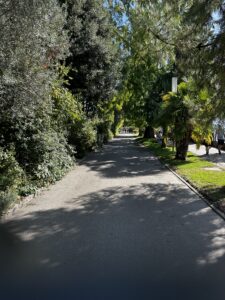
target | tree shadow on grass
[
  {"x": 117, "y": 243},
  {"x": 176, "y": 162},
  {"x": 166, "y": 155},
  {"x": 216, "y": 195},
  {"x": 214, "y": 157}
]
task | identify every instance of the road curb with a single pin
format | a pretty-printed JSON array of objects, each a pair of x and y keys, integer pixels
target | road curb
[
  {"x": 201, "y": 196},
  {"x": 212, "y": 206}
]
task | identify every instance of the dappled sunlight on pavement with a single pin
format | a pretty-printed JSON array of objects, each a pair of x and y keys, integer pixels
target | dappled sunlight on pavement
[{"x": 119, "y": 226}]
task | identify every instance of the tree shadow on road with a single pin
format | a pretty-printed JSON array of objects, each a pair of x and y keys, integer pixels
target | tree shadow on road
[
  {"x": 148, "y": 238},
  {"x": 123, "y": 158}
]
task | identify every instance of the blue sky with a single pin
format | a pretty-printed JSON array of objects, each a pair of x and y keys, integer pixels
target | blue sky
[{"x": 216, "y": 17}]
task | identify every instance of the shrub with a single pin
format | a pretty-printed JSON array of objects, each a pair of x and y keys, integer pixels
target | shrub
[
  {"x": 11, "y": 176},
  {"x": 10, "y": 172},
  {"x": 27, "y": 188},
  {"x": 83, "y": 136},
  {"x": 110, "y": 135},
  {"x": 104, "y": 132},
  {"x": 49, "y": 157},
  {"x": 7, "y": 198},
  {"x": 69, "y": 117}
]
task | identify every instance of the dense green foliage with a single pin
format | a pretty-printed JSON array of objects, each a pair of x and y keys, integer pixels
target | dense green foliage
[
  {"x": 162, "y": 38},
  {"x": 94, "y": 58},
  {"x": 73, "y": 72},
  {"x": 11, "y": 177},
  {"x": 58, "y": 70},
  {"x": 174, "y": 113}
]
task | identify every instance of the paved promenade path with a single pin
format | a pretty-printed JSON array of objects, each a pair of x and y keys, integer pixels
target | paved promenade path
[
  {"x": 119, "y": 226},
  {"x": 213, "y": 156}
]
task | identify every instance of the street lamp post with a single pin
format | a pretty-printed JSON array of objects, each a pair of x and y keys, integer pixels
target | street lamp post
[
  {"x": 174, "y": 79},
  {"x": 174, "y": 90},
  {"x": 174, "y": 84}
]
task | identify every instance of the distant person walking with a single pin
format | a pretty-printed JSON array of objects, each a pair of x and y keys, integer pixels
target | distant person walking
[
  {"x": 207, "y": 143},
  {"x": 220, "y": 138}
]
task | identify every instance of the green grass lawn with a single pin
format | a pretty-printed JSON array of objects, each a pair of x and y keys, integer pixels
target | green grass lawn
[{"x": 211, "y": 183}]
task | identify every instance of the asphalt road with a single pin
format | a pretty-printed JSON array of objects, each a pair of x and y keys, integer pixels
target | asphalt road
[{"x": 119, "y": 226}]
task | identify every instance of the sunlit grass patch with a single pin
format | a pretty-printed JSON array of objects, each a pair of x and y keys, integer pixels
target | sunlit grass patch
[{"x": 209, "y": 182}]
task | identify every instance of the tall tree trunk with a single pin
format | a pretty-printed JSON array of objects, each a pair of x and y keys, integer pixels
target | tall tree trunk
[
  {"x": 141, "y": 132},
  {"x": 149, "y": 132},
  {"x": 182, "y": 146},
  {"x": 164, "y": 137}
]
